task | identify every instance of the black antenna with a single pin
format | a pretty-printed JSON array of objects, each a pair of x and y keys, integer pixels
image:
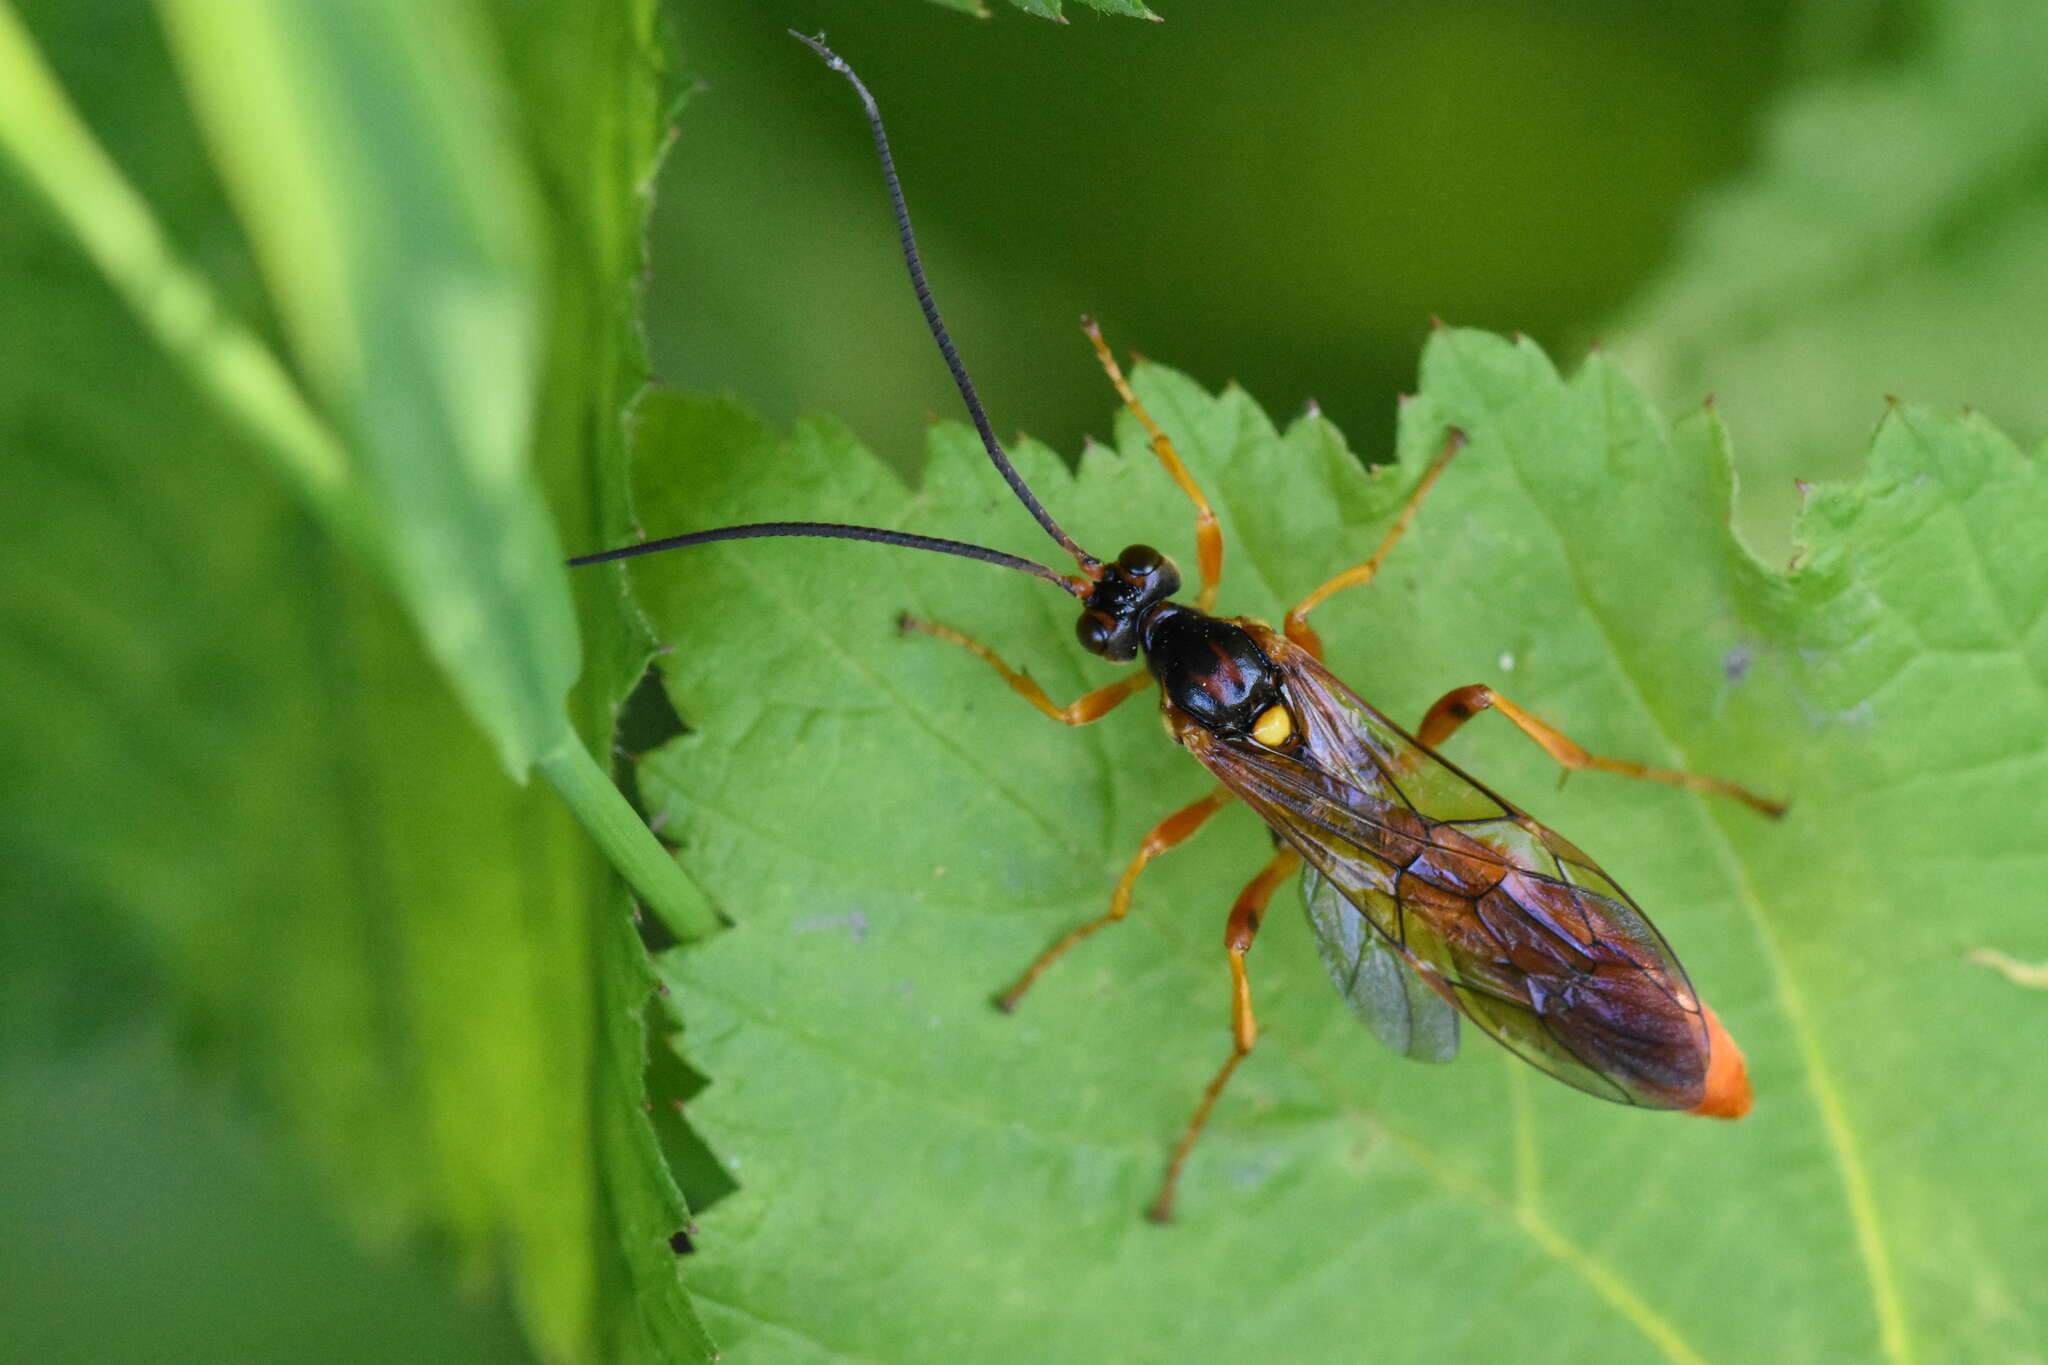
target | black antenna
[
  {"x": 832, "y": 530},
  {"x": 908, "y": 238}
]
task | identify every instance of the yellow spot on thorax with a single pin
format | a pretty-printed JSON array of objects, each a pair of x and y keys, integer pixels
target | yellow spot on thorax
[{"x": 1274, "y": 727}]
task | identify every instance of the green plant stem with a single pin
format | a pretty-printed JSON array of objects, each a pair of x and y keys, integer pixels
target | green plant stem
[
  {"x": 58, "y": 157},
  {"x": 648, "y": 868}
]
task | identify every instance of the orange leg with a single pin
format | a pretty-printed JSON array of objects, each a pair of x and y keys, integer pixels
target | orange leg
[
  {"x": 1174, "y": 829},
  {"x": 1092, "y": 706},
  {"x": 1208, "y": 535},
  {"x": 1456, "y": 707},
  {"x": 1244, "y": 1028},
  {"x": 1296, "y": 625}
]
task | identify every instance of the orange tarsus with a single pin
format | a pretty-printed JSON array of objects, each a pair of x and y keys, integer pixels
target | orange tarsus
[{"x": 1728, "y": 1095}]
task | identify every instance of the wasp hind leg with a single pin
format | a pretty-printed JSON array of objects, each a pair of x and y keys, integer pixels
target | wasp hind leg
[
  {"x": 1091, "y": 706},
  {"x": 1243, "y": 926},
  {"x": 1459, "y": 705},
  {"x": 1175, "y": 829}
]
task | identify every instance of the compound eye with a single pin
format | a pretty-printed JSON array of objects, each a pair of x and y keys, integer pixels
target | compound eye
[
  {"x": 1094, "y": 631},
  {"x": 1141, "y": 560}
]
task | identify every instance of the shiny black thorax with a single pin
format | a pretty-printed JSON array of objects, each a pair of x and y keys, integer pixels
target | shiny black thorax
[{"x": 1208, "y": 667}]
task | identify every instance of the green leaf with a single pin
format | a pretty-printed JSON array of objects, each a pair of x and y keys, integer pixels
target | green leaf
[
  {"x": 251, "y": 782},
  {"x": 1885, "y": 241},
  {"x": 409, "y": 262},
  {"x": 220, "y": 1241},
  {"x": 395, "y": 225},
  {"x": 896, "y": 835}
]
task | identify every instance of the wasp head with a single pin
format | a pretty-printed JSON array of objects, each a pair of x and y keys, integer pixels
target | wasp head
[{"x": 1140, "y": 579}]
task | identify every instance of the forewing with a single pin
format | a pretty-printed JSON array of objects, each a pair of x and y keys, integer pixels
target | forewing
[
  {"x": 1510, "y": 923},
  {"x": 1377, "y": 981}
]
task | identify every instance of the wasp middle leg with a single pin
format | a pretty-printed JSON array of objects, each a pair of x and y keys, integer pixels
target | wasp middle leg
[
  {"x": 1296, "y": 625},
  {"x": 1175, "y": 829}
]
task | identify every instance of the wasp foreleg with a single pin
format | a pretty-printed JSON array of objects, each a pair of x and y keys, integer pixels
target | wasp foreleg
[{"x": 1092, "y": 706}]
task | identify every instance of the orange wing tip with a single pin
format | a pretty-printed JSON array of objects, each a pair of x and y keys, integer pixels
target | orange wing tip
[{"x": 1728, "y": 1095}]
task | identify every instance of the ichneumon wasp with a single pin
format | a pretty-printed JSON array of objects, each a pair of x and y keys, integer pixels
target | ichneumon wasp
[{"x": 1431, "y": 898}]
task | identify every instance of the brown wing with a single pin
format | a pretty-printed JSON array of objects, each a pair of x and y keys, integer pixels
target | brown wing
[{"x": 1504, "y": 918}]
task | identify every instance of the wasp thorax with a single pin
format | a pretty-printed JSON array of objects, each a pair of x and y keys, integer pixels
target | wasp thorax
[
  {"x": 1140, "y": 579},
  {"x": 1215, "y": 672}
]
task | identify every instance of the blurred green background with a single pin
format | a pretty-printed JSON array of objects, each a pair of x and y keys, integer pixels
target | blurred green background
[
  {"x": 1280, "y": 196},
  {"x": 1801, "y": 207}
]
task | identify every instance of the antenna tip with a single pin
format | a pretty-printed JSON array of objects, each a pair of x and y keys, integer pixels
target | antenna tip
[{"x": 817, "y": 45}]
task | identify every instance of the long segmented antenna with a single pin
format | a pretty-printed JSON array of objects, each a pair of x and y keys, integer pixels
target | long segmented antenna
[
  {"x": 832, "y": 530},
  {"x": 829, "y": 530},
  {"x": 1089, "y": 564}
]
